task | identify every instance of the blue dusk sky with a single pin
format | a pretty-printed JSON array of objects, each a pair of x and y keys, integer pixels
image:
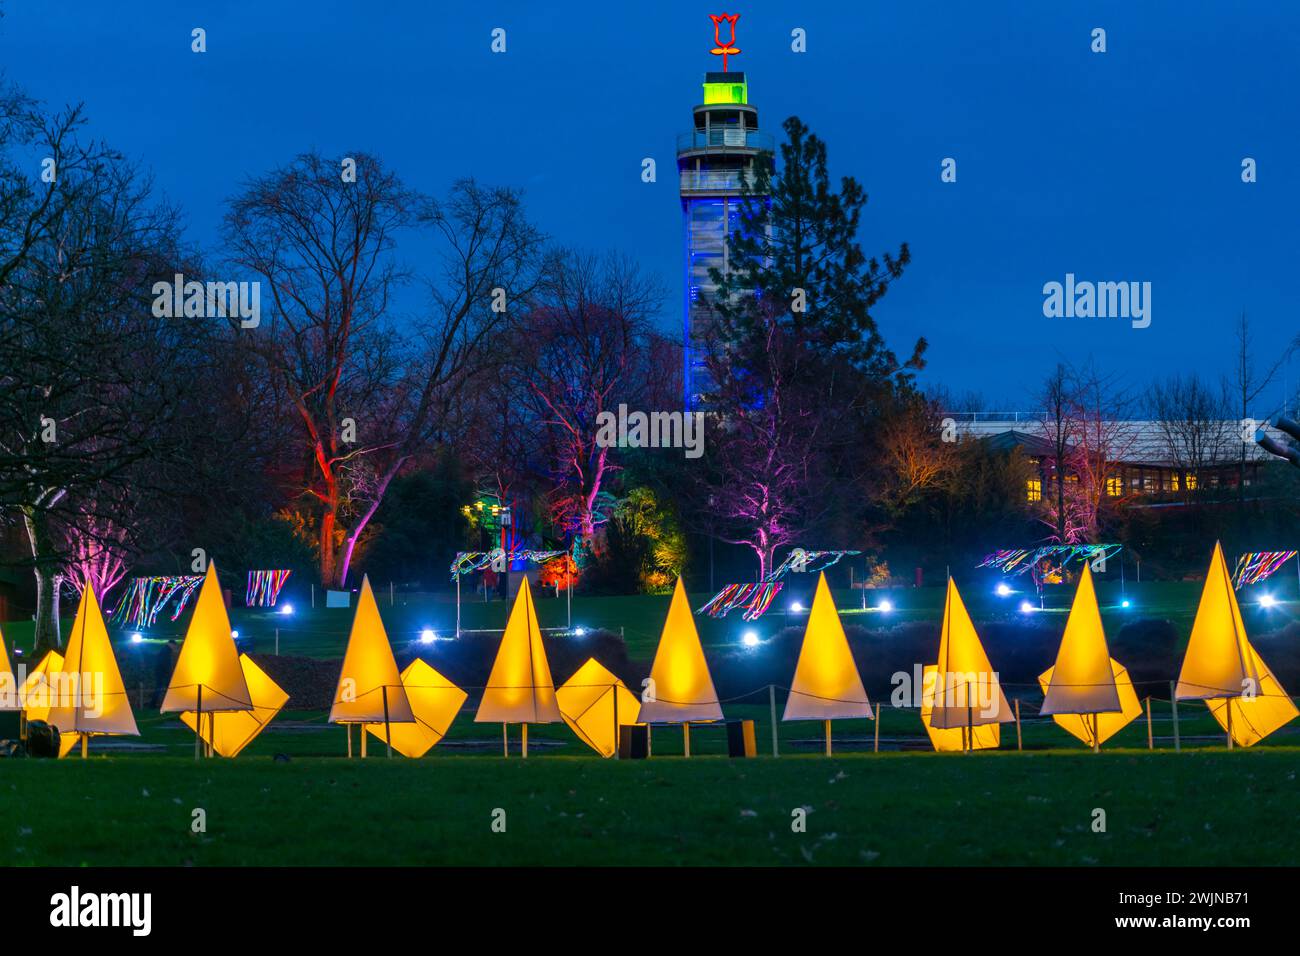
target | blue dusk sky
[{"x": 1121, "y": 166}]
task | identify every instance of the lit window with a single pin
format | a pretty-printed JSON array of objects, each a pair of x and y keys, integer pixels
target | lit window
[
  {"x": 1190, "y": 481},
  {"x": 1034, "y": 489},
  {"x": 1114, "y": 486}
]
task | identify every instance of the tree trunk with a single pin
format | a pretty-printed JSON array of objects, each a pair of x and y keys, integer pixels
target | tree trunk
[
  {"x": 328, "y": 556},
  {"x": 48, "y": 579}
]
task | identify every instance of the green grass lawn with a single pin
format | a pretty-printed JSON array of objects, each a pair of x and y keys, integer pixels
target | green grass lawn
[{"x": 1196, "y": 808}]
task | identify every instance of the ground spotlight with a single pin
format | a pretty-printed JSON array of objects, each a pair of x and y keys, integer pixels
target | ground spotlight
[
  {"x": 287, "y": 609},
  {"x": 427, "y": 636},
  {"x": 796, "y": 607},
  {"x": 234, "y": 635},
  {"x": 580, "y": 632},
  {"x": 137, "y": 637},
  {"x": 1124, "y": 603},
  {"x": 1002, "y": 589},
  {"x": 886, "y": 606},
  {"x": 749, "y": 639},
  {"x": 1025, "y": 607},
  {"x": 1267, "y": 600}
]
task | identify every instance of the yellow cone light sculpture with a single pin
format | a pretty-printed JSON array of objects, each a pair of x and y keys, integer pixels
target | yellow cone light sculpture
[
  {"x": 1223, "y": 669},
  {"x": 435, "y": 701},
  {"x": 35, "y": 695},
  {"x": 1082, "y": 691},
  {"x": 9, "y": 697},
  {"x": 228, "y": 732},
  {"x": 592, "y": 701},
  {"x": 91, "y": 697},
  {"x": 520, "y": 689},
  {"x": 208, "y": 678},
  {"x": 682, "y": 686},
  {"x": 967, "y": 693},
  {"x": 826, "y": 682},
  {"x": 370, "y": 689},
  {"x": 983, "y": 736}
]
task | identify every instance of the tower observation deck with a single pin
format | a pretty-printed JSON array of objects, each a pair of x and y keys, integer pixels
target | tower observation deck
[{"x": 723, "y": 144}]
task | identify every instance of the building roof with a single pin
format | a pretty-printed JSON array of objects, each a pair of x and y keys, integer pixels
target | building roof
[{"x": 1133, "y": 441}]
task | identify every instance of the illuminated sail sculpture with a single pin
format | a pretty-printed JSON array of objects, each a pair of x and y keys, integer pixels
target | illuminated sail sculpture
[
  {"x": 435, "y": 701},
  {"x": 1223, "y": 669},
  {"x": 967, "y": 693},
  {"x": 592, "y": 701},
  {"x": 369, "y": 689},
  {"x": 682, "y": 686},
  {"x": 826, "y": 682},
  {"x": 36, "y": 694},
  {"x": 983, "y": 736},
  {"x": 9, "y": 698},
  {"x": 91, "y": 698},
  {"x": 208, "y": 677},
  {"x": 520, "y": 689},
  {"x": 1087, "y": 692},
  {"x": 228, "y": 732}
]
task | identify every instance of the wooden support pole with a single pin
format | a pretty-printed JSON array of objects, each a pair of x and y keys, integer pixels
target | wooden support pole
[
  {"x": 364, "y": 735},
  {"x": 771, "y": 706},
  {"x": 348, "y": 728},
  {"x": 1151, "y": 741},
  {"x": 1228, "y": 704},
  {"x": 1019, "y": 744},
  {"x": 686, "y": 738},
  {"x": 85, "y": 743},
  {"x": 875, "y": 747},
  {"x": 1096, "y": 734},
  {"x": 1173, "y": 702},
  {"x": 613, "y": 689},
  {"x": 388, "y": 733},
  {"x": 524, "y": 749},
  {"x": 649, "y": 740},
  {"x": 505, "y": 739},
  {"x": 198, "y": 724},
  {"x": 827, "y": 725},
  {"x": 970, "y": 722}
]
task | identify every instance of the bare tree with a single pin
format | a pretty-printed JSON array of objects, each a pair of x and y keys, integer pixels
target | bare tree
[
  {"x": 584, "y": 349},
  {"x": 1190, "y": 416},
  {"x": 368, "y": 394}
]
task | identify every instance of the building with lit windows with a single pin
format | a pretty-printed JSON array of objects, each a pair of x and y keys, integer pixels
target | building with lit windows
[{"x": 1147, "y": 457}]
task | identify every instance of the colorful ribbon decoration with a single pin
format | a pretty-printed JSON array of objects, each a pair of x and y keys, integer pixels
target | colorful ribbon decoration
[
  {"x": 264, "y": 588},
  {"x": 754, "y": 598},
  {"x": 467, "y": 562},
  {"x": 146, "y": 598},
  {"x": 1256, "y": 566}
]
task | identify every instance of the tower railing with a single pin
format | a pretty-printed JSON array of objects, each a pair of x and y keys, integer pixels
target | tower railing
[{"x": 725, "y": 137}]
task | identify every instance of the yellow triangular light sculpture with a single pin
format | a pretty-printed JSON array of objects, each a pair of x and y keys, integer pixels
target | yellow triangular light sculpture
[
  {"x": 588, "y": 701},
  {"x": 1223, "y": 669},
  {"x": 369, "y": 689},
  {"x": 230, "y": 731},
  {"x": 435, "y": 701},
  {"x": 1251, "y": 719},
  {"x": 208, "y": 676},
  {"x": 1082, "y": 681},
  {"x": 683, "y": 688},
  {"x": 91, "y": 698},
  {"x": 826, "y": 682},
  {"x": 34, "y": 694},
  {"x": 1094, "y": 729},
  {"x": 967, "y": 692},
  {"x": 520, "y": 689},
  {"x": 985, "y": 736},
  {"x": 9, "y": 697}
]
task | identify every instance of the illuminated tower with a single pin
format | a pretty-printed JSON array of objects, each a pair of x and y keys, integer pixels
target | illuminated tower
[{"x": 724, "y": 142}]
